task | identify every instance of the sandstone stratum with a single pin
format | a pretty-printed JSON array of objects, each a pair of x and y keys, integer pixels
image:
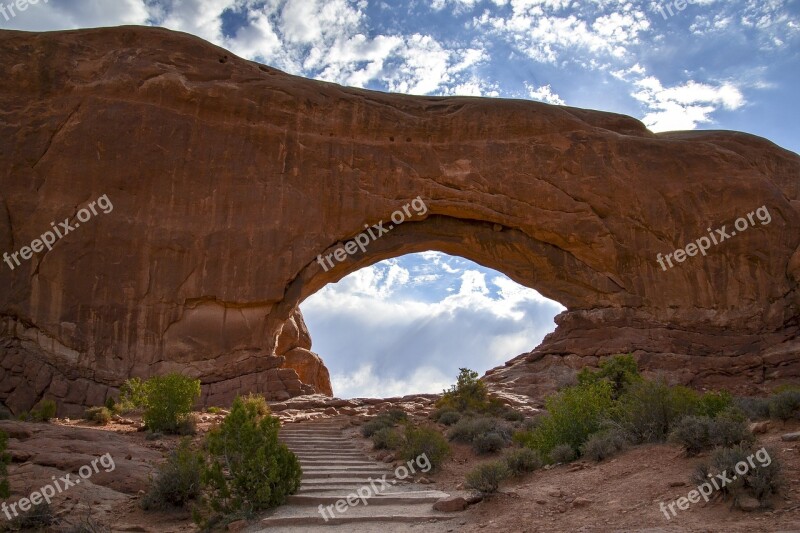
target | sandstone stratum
[{"x": 228, "y": 178}]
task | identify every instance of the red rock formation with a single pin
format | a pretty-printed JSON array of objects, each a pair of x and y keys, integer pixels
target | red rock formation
[{"x": 228, "y": 178}]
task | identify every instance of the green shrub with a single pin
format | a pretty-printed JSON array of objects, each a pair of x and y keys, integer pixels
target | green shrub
[
  {"x": 110, "y": 404},
  {"x": 469, "y": 394},
  {"x": 177, "y": 482},
  {"x": 486, "y": 478},
  {"x": 425, "y": 441},
  {"x": 512, "y": 415},
  {"x": 691, "y": 432},
  {"x": 698, "y": 433},
  {"x": 730, "y": 428},
  {"x": 387, "y": 439},
  {"x": 754, "y": 408},
  {"x": 762, "y": 481},
  {"x": 529, "y": 424},
  {"x": 620, "y": 371},
  {"x": 713, "y": 403},
  {"x": 522, "y": 460},
  {"x": 573, "y": 415},
  {"x": 98, "y": 415},
  {"x": 491, "y": 442},
  {"x": 604, "y": 444},
  {"x": 39, "y": 518},
  {"x": 169, "y": 400},
  {"x": 468, "y": 428},
  {"x": 214, "y": 410},
  {"x": 44, "y": 411},
  {"x": 257, "y": 404},
  {"x": 562, "y": 453},
  {"x": 376, "y": 424},
  {"x": 188, "y": 425},
  {"x": 248, "y": 469},
  {"x": 784, "y": 405},
  {"x": 395, "y": 415},
  {"x": 448, "y": 418},
  {"x": 132, "y": 396},
  {"x": 5, "y": 459},
  {"x": 648, "y": 410}
]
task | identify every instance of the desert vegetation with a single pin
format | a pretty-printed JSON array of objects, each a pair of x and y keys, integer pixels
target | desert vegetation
[
  {"x": 238, "y": 469},
  {"x": 43, "y": 411},
  {"x": 393, "y": 430},
  {"x": 607, "y": 411}
]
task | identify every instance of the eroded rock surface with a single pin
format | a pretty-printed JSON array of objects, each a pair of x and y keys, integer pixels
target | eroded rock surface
[{"x": 229, "y": 178}]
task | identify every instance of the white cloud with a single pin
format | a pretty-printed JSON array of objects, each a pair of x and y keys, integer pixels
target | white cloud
[
  {"x": 365, "y": 383},
  {"x": 685, "y": 106},
  {"x": 460, "y": 6},
  {"x": 424, "y": 66},
  {"x": 198, "y": 17},
  {"x": 544, "y": 94},
  {"x": 538, "y": 29},
  {"x": 84, "y": 14}
]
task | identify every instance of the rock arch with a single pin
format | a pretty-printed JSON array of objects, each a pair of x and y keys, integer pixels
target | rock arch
[{"x": 228, "y": 178}]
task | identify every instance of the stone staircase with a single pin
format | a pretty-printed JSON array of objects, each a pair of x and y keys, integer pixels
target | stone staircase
[{"x": 335, "y": 467}]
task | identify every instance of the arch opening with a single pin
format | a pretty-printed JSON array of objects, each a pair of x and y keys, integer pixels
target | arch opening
[{"x": 405, "y": 325}]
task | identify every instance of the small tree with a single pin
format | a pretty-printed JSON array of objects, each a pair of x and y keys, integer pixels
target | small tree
[
  {"x": 620, "y": 371},
  {"x": 169, "y": 401},
  {"x": 425, "y": 441},
  {"x": 132, "y": 396},
  {"x": 468, "y": 394},
  {"x": 249, "y": 470},
  {"x": 178, "y": 480},
  {"x": 572, "y": 416}
]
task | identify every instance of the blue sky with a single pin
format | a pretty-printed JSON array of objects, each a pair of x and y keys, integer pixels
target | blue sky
[{"x": 406, "y": 325}]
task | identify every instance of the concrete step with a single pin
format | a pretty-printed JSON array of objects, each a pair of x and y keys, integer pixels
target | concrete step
[
  {"x": 354, "y": 456},
  {"x": 302, "y": 431},
  {"x": 305, "y": 454},
  {"x": 328, "y": 467},
  {"x": 324, "y": 447},
  {"x": 331, "y": 497},
  {"x": 351, "y": 480},
  {"x": 312, "y": 435},
  {"x": 301, "y": 439},
  {"x": 342, "y": 462},
  {"x": 361, "y": 474},
  {"x": 291, "y": 515}
]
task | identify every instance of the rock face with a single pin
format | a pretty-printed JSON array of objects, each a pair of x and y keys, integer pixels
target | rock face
[{"x": 229, "y": 178}]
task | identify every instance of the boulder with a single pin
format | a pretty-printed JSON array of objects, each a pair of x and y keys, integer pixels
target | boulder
[{"x": 450, "y": 505}]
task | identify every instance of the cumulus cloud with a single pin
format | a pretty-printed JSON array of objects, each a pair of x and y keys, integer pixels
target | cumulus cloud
[
  {"x": 545, "y": 31},
  {"x": 544, "y": 94},
  {"x": 684, "y": 106},
  {"x": 394, "y": 328},
  {"x": 69, "y": 14}
]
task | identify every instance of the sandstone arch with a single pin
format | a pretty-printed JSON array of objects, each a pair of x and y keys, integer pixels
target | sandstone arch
[{"x": 229, "y": 177}]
